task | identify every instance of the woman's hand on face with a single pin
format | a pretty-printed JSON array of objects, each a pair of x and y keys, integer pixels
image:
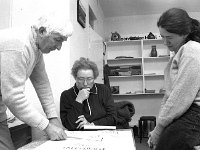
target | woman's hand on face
[
  {"x": 83, "y": 95},
  {"x": 150, "y": 143},
  {"x": 82, "y": 121}
]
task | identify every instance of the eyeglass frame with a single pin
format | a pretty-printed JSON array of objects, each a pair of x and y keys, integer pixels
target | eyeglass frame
[{"x": 83, "y": 80}]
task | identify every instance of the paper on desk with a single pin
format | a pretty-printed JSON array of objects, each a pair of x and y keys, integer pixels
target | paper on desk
[
  {"x": 93, "y": 140},
  {"x": 70, "y": 144},
  {"x": 89, "y": 127}
]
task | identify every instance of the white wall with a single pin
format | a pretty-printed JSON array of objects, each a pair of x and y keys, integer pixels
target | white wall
[
  {"x": 5, "y": 12},
  {"x": 98, "y": 25},
  {"x": 134, "y": 25},
  {"x": 80, "y": 40}
]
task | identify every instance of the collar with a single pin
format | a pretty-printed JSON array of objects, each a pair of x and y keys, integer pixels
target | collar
[
  {"x": 33, "y": 39},
  {"x": 93, "y": 90}
]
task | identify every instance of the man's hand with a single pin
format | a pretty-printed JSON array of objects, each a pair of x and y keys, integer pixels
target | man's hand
[
  {"x": 55, "y": 133},
  {"x": 56, "y": 122},
  {"x": 83, "y": 95}
]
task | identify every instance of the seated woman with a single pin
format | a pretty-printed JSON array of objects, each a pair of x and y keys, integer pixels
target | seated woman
[{"x": 87, "y": 102}]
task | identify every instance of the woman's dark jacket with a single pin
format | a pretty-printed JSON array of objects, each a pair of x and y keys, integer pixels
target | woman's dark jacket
[
  {"x": 100, "y": 101},
  {"x": 124, "y": 111}
]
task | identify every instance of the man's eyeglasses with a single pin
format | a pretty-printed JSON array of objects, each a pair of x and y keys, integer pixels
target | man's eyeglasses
[{"x": 82, "y": 80}]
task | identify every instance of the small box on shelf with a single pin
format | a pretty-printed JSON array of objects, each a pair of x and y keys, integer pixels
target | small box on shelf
[
  {"x": 149, "y": 91},
  {"x": 114, "y": 89}
]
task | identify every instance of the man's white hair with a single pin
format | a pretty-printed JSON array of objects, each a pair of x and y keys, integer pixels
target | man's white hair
[{"x": 55, "y": 22}]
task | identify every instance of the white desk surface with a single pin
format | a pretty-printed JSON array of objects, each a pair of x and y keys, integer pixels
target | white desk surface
[{"x": 93, "y": 140}]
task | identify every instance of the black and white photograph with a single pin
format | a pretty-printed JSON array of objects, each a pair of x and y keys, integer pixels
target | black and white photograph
[{"x": 99, "y": 75}]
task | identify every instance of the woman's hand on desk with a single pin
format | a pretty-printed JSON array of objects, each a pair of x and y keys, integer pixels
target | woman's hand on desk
[
  {"x": 55, "y": 133},
  {"x": 82, "y": 121}
]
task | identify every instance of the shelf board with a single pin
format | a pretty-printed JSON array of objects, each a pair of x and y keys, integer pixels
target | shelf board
[
  {"x": 138, "y": 94},
  {"x": 153, "y": 75},
  {"x": 145, "y": 75},
  {"x": 125, "y": 76},
  {"x": 132, "y": 41},
  {"x": 138, "y": 59},
  {"x": 153, "y": 40},
  {"x": 149, "y": 58},
  {"x": 124, "y": 59},
  {"x": 123, "y": 42}
]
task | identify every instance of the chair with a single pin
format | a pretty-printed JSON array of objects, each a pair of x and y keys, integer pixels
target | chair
[{"x": 146, "y": 124}]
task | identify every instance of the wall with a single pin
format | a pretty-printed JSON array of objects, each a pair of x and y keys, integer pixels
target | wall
[
  {"x": 130, "y": 25},
  {"x": 5, "y": 12},
  {"x": 80, "y": 41},
  {"x": 133, "y": 26},
  {"x": 98, "y": 25}
]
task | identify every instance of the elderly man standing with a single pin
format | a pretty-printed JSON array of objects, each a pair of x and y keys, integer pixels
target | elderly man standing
[{"x": 21, "y": 57}]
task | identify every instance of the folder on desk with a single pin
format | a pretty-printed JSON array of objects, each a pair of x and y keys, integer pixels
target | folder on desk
[{"x": 97, "y": 127}]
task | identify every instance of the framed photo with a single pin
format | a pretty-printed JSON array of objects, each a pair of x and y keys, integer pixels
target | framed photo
[{"x": 81, "y": 15}]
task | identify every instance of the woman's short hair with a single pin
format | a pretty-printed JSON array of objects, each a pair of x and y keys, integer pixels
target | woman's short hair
[{"x": 84, "y": 63}]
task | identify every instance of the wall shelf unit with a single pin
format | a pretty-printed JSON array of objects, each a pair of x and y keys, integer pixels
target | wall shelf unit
[{"x": 133, "y": 53}]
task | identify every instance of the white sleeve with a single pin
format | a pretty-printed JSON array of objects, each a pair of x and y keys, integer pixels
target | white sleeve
[
  {"x": 13, "y": 78},
  {"x": 42, "y": 86},
  {"x": 185, "y": 87}
]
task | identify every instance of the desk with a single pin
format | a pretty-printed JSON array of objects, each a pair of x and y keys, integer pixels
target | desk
[
  {"x": 93, "y": 140},
  {"x": 32, "y": 145}
]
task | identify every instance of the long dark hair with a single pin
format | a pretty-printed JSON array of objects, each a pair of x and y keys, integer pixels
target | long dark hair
[{"x": 176, "y": 20}]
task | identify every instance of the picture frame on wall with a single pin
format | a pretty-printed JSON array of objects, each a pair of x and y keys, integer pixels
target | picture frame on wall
[{"x": 81, "y": 15}]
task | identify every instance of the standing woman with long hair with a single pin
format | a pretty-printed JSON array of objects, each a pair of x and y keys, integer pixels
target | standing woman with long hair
[{"x": 178, "y": 125}]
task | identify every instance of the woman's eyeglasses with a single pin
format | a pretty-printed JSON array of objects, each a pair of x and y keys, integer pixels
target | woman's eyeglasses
[{"x": 83, "y": 80}]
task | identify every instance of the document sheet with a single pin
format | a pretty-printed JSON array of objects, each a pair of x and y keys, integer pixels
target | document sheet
[{"x": 93, "y": 140}]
